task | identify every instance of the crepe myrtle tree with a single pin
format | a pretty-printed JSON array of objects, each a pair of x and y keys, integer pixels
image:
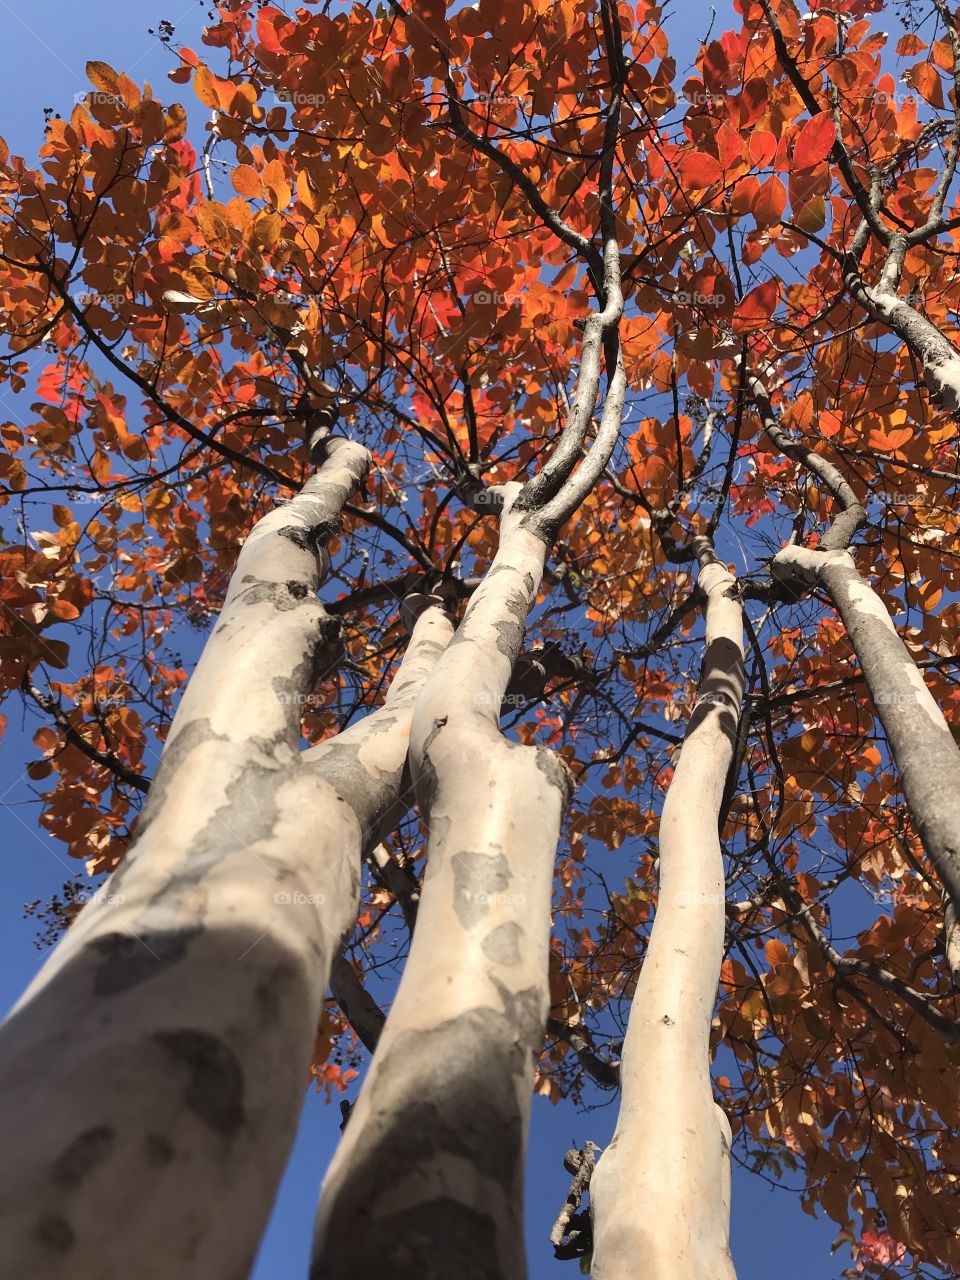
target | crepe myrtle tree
[{"x": 610, "y": 406}]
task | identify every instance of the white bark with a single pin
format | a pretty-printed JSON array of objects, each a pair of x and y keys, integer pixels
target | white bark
[
  {"x": 152, "y": 1075},
  {"x": 428, "y": 1180},
  {"x": 660, "y": 1194},
  {"x": 939, "y": 358},
  {"x": 922, "y": 746}
]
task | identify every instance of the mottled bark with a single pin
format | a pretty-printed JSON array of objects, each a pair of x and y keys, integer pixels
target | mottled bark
[
  {"x": 428, "y": 1180},
  {"x": 939, "y": 358},
  {"x": 152, "y": 1075},
  {"x": 660, "y": 1193},
  {"x": 921, "y": 744}
]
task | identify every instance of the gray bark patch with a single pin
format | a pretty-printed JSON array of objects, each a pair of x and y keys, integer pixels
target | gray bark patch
[
  {"x": 477, "y": 877},
  {"x": 426, "y": 780},
  {"x": 502, "y": 945},
  {"x": 55, "y": 1233},
  {"x": 313, "y": 539},
  {"x": 271, "y": 991},
  {"x": 510, "y": 638},
  {"x": 178, "y": 748},
  {"x": 370, "y": 792},
  {"x": 510, "y": 631},
  {"x": 284, "y": 596},
  {"x": 558, "y": 776},
  {"x": 82, "y": 1156},
  {"x": 462, "y": 1100},
  {"x": 159, "y": 1149},
  {"x": 418, "y": 1244},
  {"x": 127, "y": 960},
  {"x": 215, "y": 1081}
]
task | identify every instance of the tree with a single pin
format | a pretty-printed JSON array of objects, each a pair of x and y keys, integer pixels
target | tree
[{"x": 617, "y": 411}]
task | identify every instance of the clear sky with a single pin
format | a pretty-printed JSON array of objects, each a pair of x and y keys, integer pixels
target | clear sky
[{"x": 45, "y": 48}]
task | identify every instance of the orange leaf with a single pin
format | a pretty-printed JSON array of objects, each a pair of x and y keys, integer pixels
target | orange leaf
[
  {"x": 769, "y": 202},
  {"x": 763, "y": 147},
  {"x": 730, "y": 145},
  {"x": 64, "y": 610},
  {"x": 275, "y": 181},
  {"x": 267, "y": 22},
  {"x": 699, "y": 169},
  {"x": 814, "y": 142},
  {"x": 829, "y": 423},
  {"x": 926, "y": 81},
  {"x": 758, "y": 306},
  {"x": 246, "y": 182},
  {"x": 205, "y": 87},
  {"x": 886, "y": 441}
]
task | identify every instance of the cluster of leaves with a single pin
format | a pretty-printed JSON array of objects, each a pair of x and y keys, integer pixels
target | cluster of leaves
[{"x": 377, "y": 209}]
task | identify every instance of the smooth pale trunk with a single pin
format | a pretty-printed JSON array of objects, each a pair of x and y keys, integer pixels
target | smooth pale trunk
[
  {"x": 660, "y": 1194},
  {"x": 152, "y": 1075},
  {"x": 939, "y": 358},
  {"x": 922, "y": 746},
  {"x": 428, "y": 1179}
]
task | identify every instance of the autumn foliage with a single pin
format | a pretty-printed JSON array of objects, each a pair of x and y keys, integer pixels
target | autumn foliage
[{"x": 376, "y": 213}]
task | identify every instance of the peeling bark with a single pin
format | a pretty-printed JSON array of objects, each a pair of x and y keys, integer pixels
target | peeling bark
[
  {"x": 660, "y": 1193},
  {"x": 181, "y": 1006},
  {"x": 922, "y": 746},
  {"x": 428, "y": 1180}
]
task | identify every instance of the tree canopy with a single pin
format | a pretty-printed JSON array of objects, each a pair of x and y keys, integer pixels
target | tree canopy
[{"x": 391, "y": 219}]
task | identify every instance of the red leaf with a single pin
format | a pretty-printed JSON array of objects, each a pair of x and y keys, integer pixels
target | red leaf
[
  {"x": 881, "y": 1247},
  {"x": 267, "y": 22},
  {"x": 926, "y": 80},
  {"x": 815, "y": 142},
  {"x": 758, "y": 306},
  {"x": 763, "y": 147},
  {"x": 730, "y": 146},
  {"x": 769, "y": 202},
  {"x": 699, "y": 169}
]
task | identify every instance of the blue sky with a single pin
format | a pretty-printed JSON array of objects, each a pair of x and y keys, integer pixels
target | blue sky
[{"x": 46, "y": 48}]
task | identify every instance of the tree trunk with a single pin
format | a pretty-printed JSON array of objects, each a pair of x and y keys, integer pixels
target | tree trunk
[
  {"x": 922, "y": 746},
  {"x": 153, "y": 1073},
  {"x": 428, "y": 1180},
  {"x": 660, "y": 1194}
]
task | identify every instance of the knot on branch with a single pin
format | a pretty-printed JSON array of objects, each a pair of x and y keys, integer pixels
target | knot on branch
[
  {"x": 443, "y": 594},
  {"x": 474, "y": 494},
  {"x": 535, "y": 669}
]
